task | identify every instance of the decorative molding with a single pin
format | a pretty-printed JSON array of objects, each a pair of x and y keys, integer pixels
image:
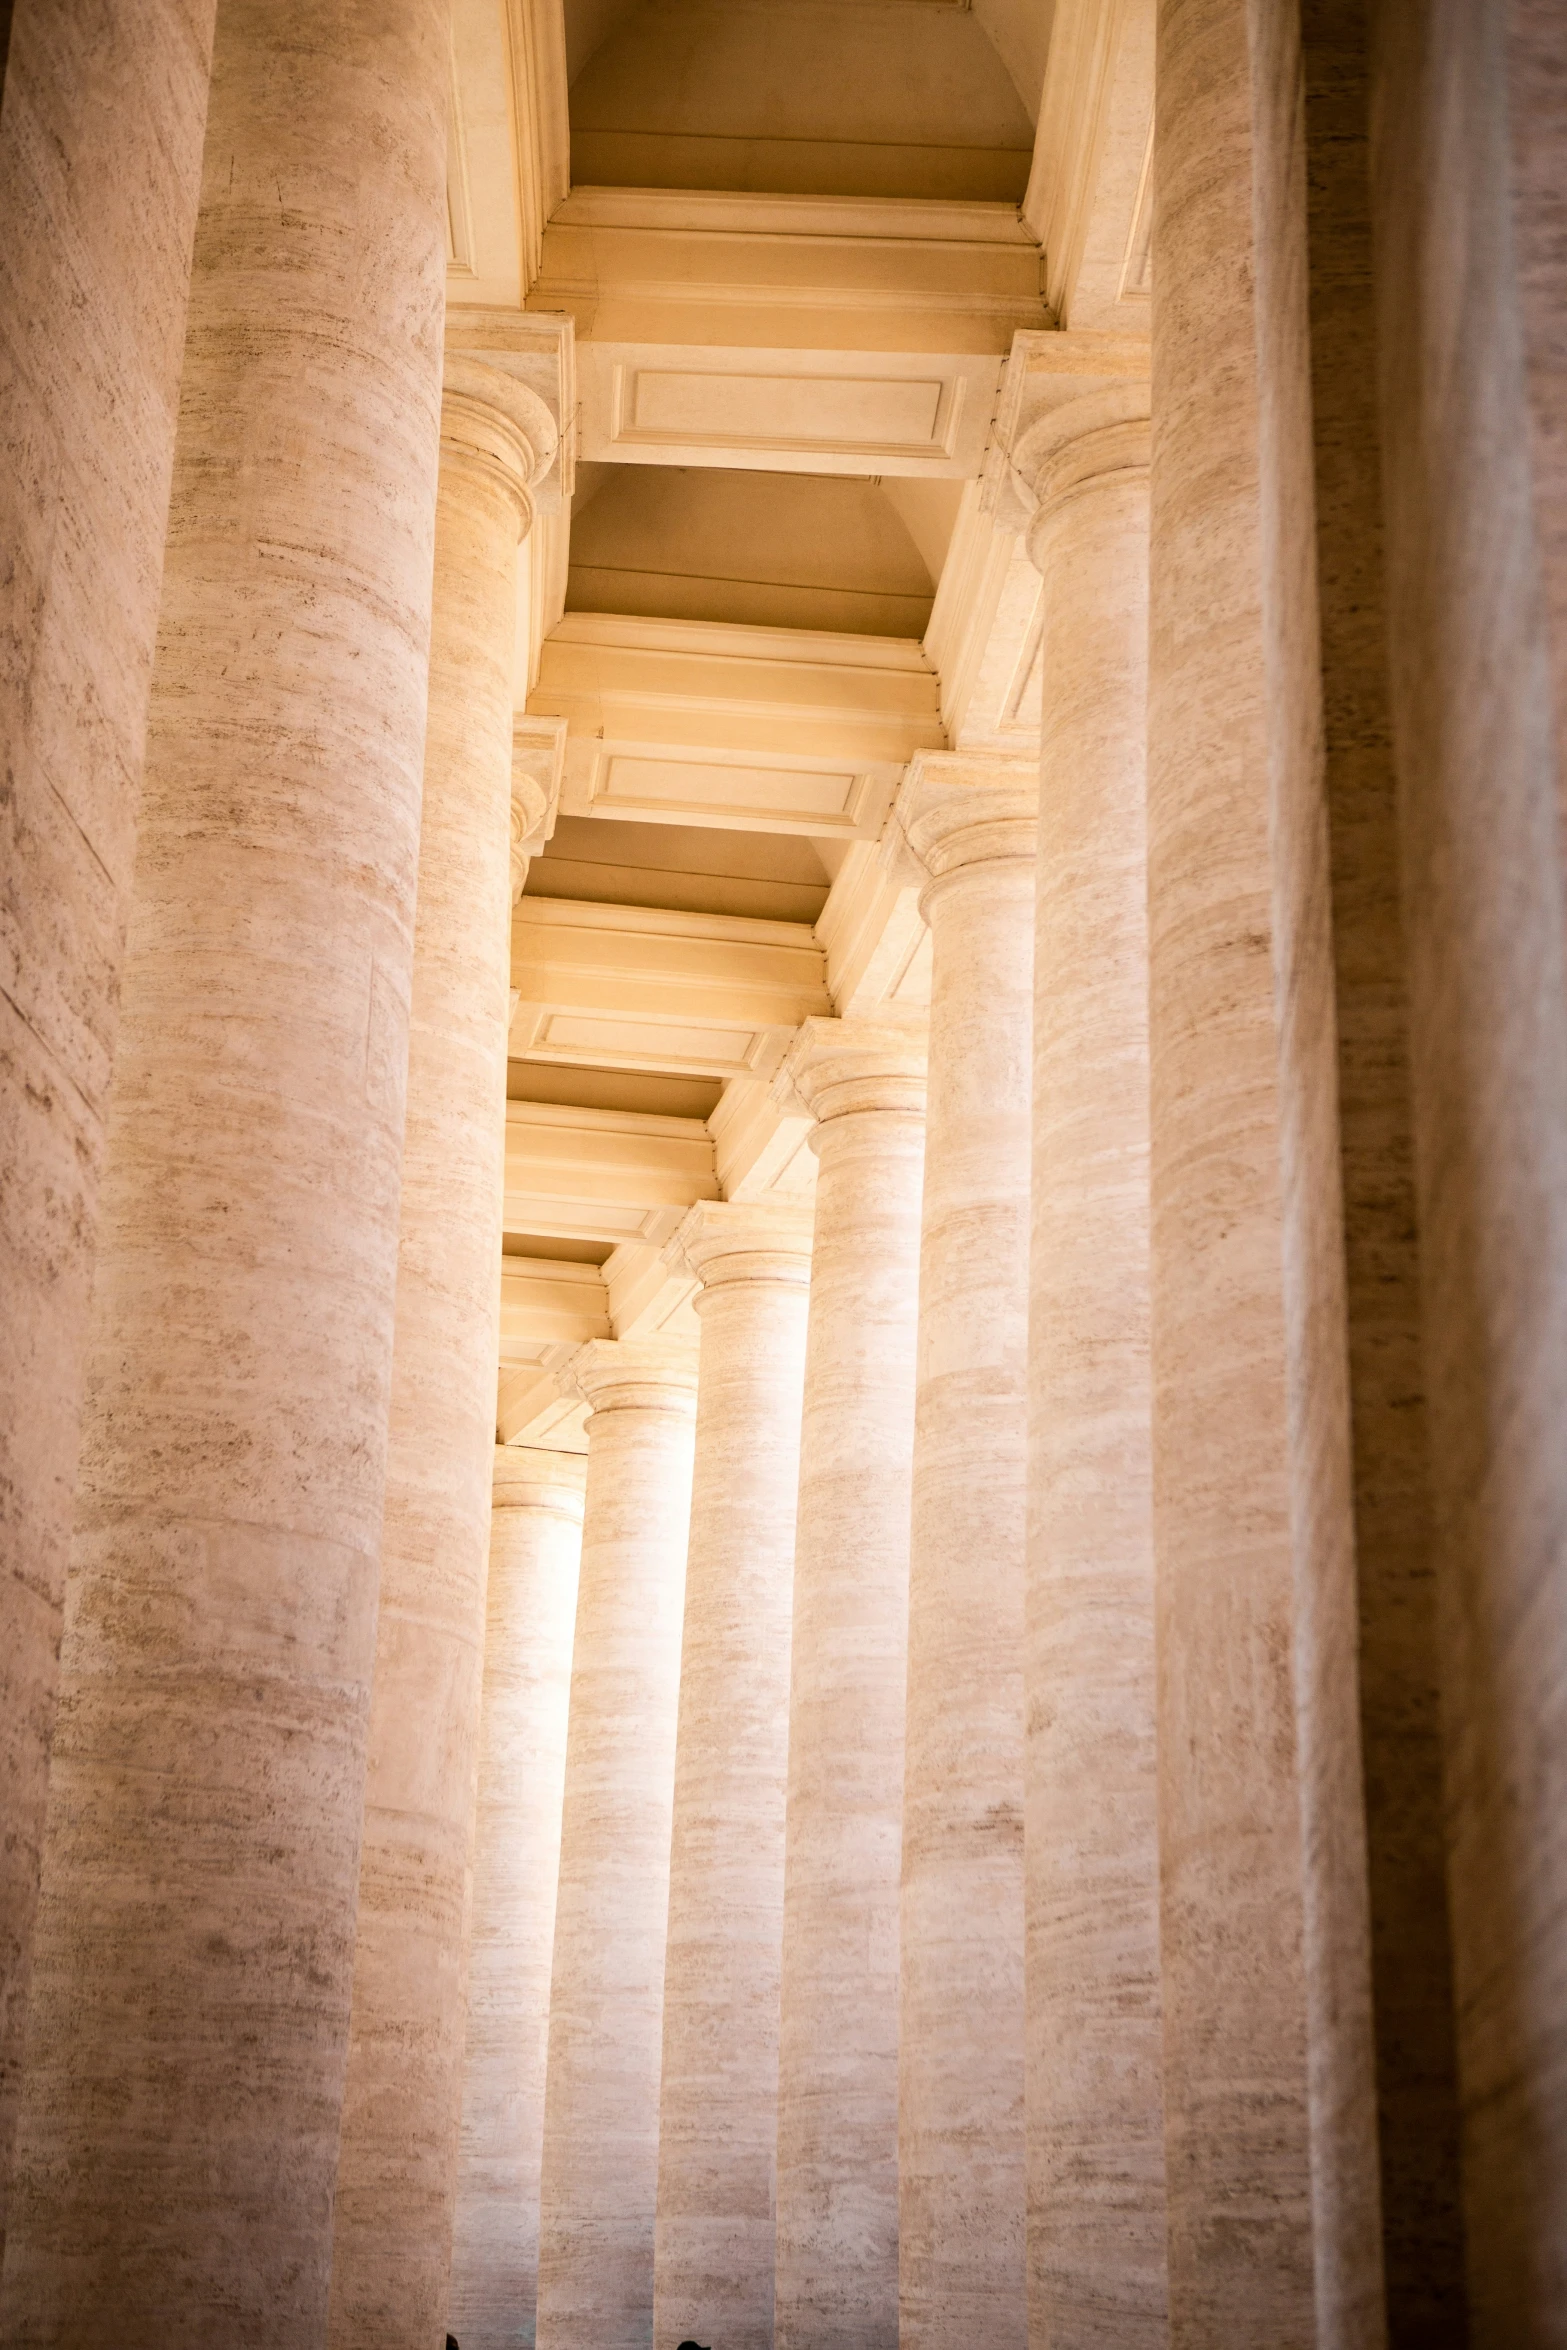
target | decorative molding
[
  {"x": 530, "y": 1409},
  {"x": 760, "y": 1146},
  {"x": 984, "y": 632},
  {"x": 1086, "y": 187},
  {"x": 508, "y": 146},
  {"x": 602, "y": 1175},
  {"x": 838, "y": 1068},
  {"x": 538, "y": 763},
  {"x": 642, "y": 783},
  {"x": 627, "y": 987},
  {"x": 958, "y": 809},
  {"x": 647, "y": 1298},
  {"x": 873, "y": 936},
  {"x": 543, "y": 1302},
  {"x": 783, "y": 730},
  {"x": 787, "y": 411},
  {"x": 538, "y": 349},
  {"x": 877, "y": 219}
]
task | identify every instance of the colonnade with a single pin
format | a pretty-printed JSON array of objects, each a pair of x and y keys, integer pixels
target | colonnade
[{"x": 1054, "y": 1831}]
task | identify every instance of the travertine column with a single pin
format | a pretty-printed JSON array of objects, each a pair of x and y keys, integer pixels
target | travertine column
[
  {"x": 718, "y": 2100},
  {"x": 970, "y": 824},
  {"x": 1469, "y": 118},
  {"x": 100, "y": 168},
  {"x": 535, "y": 1549},
  {"x": 600, "y": 2162},
  {"x": 1096, "y": 2257},
  {"x": 397, "y": 2172},
  {"x": 1266, "y": 2014},
  {"x": 194, "y": 1951},
  {"x": 837, "y": 2260}
]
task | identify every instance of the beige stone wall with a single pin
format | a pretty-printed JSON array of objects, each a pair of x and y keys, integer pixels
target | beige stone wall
[{"x": 100, "y": 167}]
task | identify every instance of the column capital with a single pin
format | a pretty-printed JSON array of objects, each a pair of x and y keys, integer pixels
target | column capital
[
  {"x": 1098, "y": 440},
  {"x": 723, "y": 1241},
  {"x": 836, "y": 1068},
  {"x": 538, "y": 762},
  {"x": 961, "y": 808},
  {"x": 629, "y": 1374},
  {"x": 497, "y": 429},
  {"x": 529, "y": 1477}
]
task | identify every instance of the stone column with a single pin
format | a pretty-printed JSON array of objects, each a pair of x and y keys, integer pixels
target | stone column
[
  {"x": 1271, "y": 2183},
  {"x": 718, "y": 2100},
  {"x": 600, "y": 2162},
  {"x": 837, "y": 2259},
  {"x": 1096, "y": 2259},
  {"x": 535, "y": 1550},
  {"x": 397, "y": 2172},
  {"x": 194, "y": 1951},
  {"x": 1467, "y": 125},
  {"x": 100, "y": 169},
  {"x": 969, "y": 823}
]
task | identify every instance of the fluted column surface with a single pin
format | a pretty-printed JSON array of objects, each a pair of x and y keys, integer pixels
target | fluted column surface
[
  {"x": 1095, "y": 2115},
  {"x": 718, "y": 2097},
  {"x": 970, "y": 822},
  {"x": 535, "y": 1551},
  {"x": 100, "y": 169},
  {"x": 195, "y": 1941},
  {"x": 836, "y": 2285},
  {"x": 397, "y": 2172},
  {"x": 600, "y": 2161}
]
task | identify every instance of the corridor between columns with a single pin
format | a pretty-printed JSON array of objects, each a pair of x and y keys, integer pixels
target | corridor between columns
[{"x": 783, "y": 1175}]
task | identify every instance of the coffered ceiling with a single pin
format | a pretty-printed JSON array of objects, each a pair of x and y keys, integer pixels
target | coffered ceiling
[{"x": 783, "y": 261}]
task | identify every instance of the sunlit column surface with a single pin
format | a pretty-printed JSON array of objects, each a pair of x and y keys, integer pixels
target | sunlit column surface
[
  {"x": 535, "y": 1550},
  {"x": 837, "y": 2258},
  {"x": 718, "y": 2098},
  {"x": 196, "y": 1928},
  {"x": 600, "y": 2161},
  {"x": 969, "y": 822},
  {"x": 397, "y": 2173},
  {"x": 1096, "y": 2255}
]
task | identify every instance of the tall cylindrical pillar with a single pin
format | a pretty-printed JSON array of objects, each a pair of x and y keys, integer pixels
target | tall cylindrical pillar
[
  {"x": 1466, "y": 110},
  {"x": 195, "y": 1944},
  {"x": 397, "y": 2172},
  {"x": 836, "y": 2285},
  {"x": 969, "y": 823},
  {"x": 1252, "y": 1537},
  {"x": 100, "y": 170},
  {"x": 600, "y": 2161},
  {"x": 717, "y": 2146},
  {"x": 1096, "y": 2259},
  {"x": 535, "y": 1551}
]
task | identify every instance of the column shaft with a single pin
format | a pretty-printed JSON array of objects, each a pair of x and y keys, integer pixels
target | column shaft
[
  {"x": 600, "y": 2161},
  {"x": 100, "y": 169},
  {"x": 397, "y": 2172},
  {"x": 960, "y": 2129},
  {"x": 717, "y": 2144},
  {"x": 1095, "y": 2116},
  {"x": 837, "y": 2258},
  {"x": 1467, "y": 116},
  {"x": 1270, "y": 2136},
  {"x": 194, "y": 1951},
  {"x": 535, "y": 1552}
]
